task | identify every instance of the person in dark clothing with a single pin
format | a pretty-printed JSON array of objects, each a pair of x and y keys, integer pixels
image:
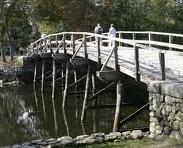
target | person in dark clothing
[{"x": 98, "y": 29}]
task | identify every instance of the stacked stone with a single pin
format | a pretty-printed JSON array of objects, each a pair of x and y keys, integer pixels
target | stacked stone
[
  {"x": 166, "y": 109},
  {"x": 82, "y": 140}
]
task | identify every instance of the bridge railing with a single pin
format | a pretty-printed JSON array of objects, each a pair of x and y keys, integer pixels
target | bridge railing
[
  {"x": 161, "y": 40},
  {"x": 85, "y": 44}
]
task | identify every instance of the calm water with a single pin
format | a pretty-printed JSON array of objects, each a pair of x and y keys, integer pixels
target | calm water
[{"x": 26, "y": 114}]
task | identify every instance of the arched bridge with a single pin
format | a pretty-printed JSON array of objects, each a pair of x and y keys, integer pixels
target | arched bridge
[{"x": 143, "y": 55}]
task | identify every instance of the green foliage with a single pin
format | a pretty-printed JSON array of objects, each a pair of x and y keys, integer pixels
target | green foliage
[
  {"x": 22, "y": 21},
  {"x": 15, "y": 29},
  {"x": 51, "y": 27}
]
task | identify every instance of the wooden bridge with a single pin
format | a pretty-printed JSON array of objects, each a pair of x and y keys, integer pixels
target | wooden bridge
[
  {"x": 139, "y": 56},
  {"x": 145, "y": 56}
]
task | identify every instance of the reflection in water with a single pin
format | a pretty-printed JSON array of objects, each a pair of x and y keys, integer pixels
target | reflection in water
[
  {"x": 43, "y": 104},
  {"x": 83, "y": 128},
  {"x": 94, "y": 121},
  {"x": 65, "y": 121},
  {"x": 54, "y": 115},
  {"x": 26, "y": 114},
  {"x": 35, "y": 96}
]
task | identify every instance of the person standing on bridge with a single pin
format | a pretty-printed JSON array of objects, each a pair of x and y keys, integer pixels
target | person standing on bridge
[
  {"x": 112, "y": 34},
  {"x": 98, "y": 30}
]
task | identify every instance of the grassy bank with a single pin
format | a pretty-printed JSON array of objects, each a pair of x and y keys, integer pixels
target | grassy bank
[{"x": 142, "y": 143}]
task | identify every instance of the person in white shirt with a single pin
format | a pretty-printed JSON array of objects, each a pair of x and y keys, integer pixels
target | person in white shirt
[{"x": 112, "y": 34}]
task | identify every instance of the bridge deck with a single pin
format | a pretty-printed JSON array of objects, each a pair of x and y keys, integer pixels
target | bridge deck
[{"x": 148, "y": 60}]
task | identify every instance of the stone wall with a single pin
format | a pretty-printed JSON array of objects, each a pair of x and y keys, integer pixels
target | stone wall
[{"x": 166, "y": 109}]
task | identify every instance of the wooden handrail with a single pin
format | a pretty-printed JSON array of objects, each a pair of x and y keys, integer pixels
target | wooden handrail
[{"x": 125, "y": 41}]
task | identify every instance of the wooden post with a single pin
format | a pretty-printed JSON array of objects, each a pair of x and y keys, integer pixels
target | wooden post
[
  {"x": 45, "y": 44},
  {"x": 95, "y": 101},
  {"x": 66, "y": 85},
  {"x": 42, "y": 79},
  {"x": 94, "y": 87},
  {"x": 64, "y": 37},
  {"x": 43, "y": 104},
  {"x": 120, "y": 36},
  {"x": 150, "y": 39},
  {"x": 98, "y": 52},
  {"x": 137, "y": 75},
  {"x": 162, "y": 66},
  {"x": 57, "y": 42},
  {"x": 170, "y": 41},
  {"x": 35, "y": 71},
  {"x": 65, "y": 121},
  {"x": 116, "y": 57},
  {"x": 55, "y": 116},
  {"x": 62, "y": 74},
  {"x": 118, "y": 93},
  {"x": 35, "y": 97},
  {"x": 37, "y": 48},
  {"x": 133, "y": 36},
  {"x": 73, "y": 43},
  {"x": 53, "y": 78},
  {"x": 85, "y": 46},
  {"x": 75, "y": 89},
  {"x": 50, "y": 42},
  {"x": 118, "y": 103},
  {"x": 86, "y": 94}
]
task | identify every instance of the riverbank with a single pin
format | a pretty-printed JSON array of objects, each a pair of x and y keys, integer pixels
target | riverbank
[
  {"x": 128, "y": 139},
  {"x": 14, "y": 73},
  {"x": 143, "y": 143}
]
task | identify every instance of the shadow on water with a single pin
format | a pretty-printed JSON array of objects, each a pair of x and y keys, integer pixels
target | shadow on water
[{"x": 26, "y": 113}]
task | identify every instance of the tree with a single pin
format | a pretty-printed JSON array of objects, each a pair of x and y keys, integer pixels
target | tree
[
  {"x": 7, "y": 8},
  {"x": 15, "y": 27}
]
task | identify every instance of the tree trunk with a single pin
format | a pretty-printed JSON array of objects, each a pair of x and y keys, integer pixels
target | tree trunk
[{"x": 3, "y": 59}]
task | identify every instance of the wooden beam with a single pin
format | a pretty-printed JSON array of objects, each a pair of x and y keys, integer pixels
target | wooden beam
[
  {"x": 100, "y": 91},
  {"x": 108, "y": 58},
  {"x": 66, "y": 85},
  {"x": 137, "y": 74},
  {"x": 76, "y": 81},
  {"x": 73, "y": 43},
  {"x": 64, "y": 44},
  {"x": 53, "y": 78},
  {"x": 98, "y": 52},
  {"x": 86, "y": 94},
  {"x": 77, "y": 50},
  {"x": 162, "y": 66},
  {"x": 35, "y": 71},
  {"x": 85, "y": 46},
  {"x": 42, "y": 79},
  {"x": 118, "y": 104},
  {"x": 116, "y": 56},
  {"x": 134, "y": 114}
]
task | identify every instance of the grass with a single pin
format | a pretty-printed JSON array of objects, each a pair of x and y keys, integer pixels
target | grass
[{"x": 142, "y": 143}]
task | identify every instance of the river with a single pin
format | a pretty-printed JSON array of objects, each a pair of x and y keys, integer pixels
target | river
[{"x": 26, "y": 113}]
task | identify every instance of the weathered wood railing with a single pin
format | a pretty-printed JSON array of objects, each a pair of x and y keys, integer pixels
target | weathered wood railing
[
  {"x": 88, "y": 44},
  {"x": 161, "y": 39}
]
